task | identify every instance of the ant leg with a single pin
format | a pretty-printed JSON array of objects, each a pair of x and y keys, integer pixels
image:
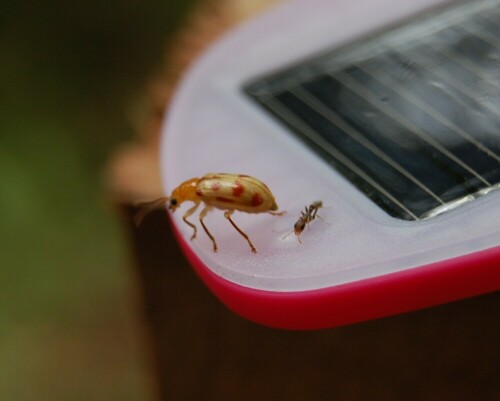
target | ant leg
[
  {"x": 189, "y": 213},
  {"x": 307, "y": 217},
  {"x": 321, "y": 218},
  {"x": 314, "y": 212},
  {"x": 227, "y": 215},
  {"x": 202, "y": 216},
  {"x": 298, "y": 237}
]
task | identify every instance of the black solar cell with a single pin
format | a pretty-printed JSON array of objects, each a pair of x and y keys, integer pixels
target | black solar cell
[{"x": 411, "y": 117}]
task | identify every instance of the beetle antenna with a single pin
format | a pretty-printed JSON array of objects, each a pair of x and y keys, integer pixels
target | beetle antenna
[{"x": 147, "y": 207}]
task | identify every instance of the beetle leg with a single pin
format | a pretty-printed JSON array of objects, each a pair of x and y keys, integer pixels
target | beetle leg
[
  {"x": 227, "y": 215},
  {"x": 277, "y": 213},
  {"x": 189, "y": 213},
  {"x": 202, "y": 216}
]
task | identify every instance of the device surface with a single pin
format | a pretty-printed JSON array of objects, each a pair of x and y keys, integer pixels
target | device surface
[{"x": 373, "y": 245}]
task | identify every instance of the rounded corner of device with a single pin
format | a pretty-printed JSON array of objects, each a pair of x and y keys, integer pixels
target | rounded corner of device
[
  {"x": 412, "y": 224},
  {"x": 355, "y": 302}
]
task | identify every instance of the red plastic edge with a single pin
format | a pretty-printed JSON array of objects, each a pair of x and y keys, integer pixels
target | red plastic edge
[{"x": 372, "y": 298}]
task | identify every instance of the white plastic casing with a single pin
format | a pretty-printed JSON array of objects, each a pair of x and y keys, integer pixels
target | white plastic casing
[{"x": 212, "y": 126}]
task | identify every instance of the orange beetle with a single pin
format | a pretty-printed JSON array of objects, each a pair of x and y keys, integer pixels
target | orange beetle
[{"x": 228, "y": 192}]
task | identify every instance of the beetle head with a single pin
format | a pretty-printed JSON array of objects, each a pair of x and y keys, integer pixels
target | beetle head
[
  {"x": 173, "y": 203},
  {"x": 184, "y": 192}
]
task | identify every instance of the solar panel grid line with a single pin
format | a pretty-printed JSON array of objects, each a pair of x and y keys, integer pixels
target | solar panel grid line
[
  {"x": 484, "y": 36},
  {"x": 386, "y": 79},
  {"x": 412, "y": 128},
  {"x": 423, "y": 61},
  {"x": 333, "y": 117},
  {"x": 491, "y": 16},
  {"x": 462, "y": 61},
  {"x": 413, "y": 112},
  {"x": 299, "y": 124},
  {"x": 427, "y": 27}
]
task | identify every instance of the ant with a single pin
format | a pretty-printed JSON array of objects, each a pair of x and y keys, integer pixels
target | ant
[{"x": 305, "y": 218}]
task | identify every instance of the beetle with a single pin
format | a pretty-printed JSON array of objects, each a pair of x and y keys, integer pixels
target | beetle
[
  {"x": 228, "y": 192},
  {"x": 310, "y": 213}
]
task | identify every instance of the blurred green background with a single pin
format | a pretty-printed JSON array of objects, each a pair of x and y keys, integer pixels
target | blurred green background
[{"x": 70, "y": 324}]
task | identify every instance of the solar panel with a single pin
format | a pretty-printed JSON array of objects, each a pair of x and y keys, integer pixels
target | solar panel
[{"x": 410, "y": 116}]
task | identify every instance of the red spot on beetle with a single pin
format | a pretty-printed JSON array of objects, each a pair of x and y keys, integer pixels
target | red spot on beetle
[
  {"x": 238, "y": 189},
  {"x": 215, "y": 186},
  {"x": 225, "y": 200},
  {"x": 257, "y": 199},
  {"x": 199, "y": 193}
]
